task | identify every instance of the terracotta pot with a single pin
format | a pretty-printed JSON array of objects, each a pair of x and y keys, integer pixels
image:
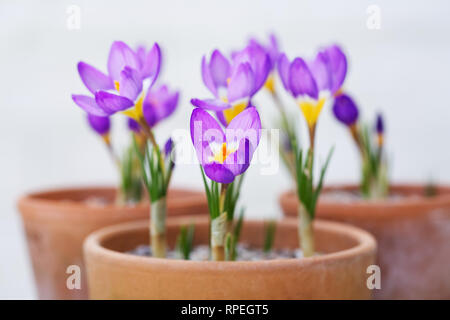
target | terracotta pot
[
  {"x": 413, "y": 236},
  {"x": 340, "y": 273},
  {"x": 56, "y": 223}
]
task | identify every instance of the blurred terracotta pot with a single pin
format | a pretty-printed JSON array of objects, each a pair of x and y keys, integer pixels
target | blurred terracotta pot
[
  {"x": 340, "y": 273},
  {"x": 56, "y": 223},
  {"x": 412, "y": 232}
]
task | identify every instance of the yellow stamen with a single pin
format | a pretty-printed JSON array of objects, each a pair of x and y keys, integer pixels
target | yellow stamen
[
  {"x": 117, "y": 85},
  {"x": 270, "y": 83},
  {"x": 136, "y": 112},
  {"x": 221, "y": 153},
  {"x": 232, "y": 112},
  {"x": 311, "y": 110}
]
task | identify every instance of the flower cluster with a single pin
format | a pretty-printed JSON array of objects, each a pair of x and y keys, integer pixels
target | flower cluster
[{"x": 129, "y": 88}]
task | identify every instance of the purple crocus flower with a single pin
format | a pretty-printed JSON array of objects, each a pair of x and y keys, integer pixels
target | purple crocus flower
[
  {"x": 101, "y": 125},
  {"x": 345, "y": 110},
  {"x": 159, "y": 104},
  {"x": 233, "y": 82},
  {"x": 313, "y": 82},
  {"x": 168, "y": 147},
  {"x": 225, "y": 155},
  {"x": 121, "y": 88}
]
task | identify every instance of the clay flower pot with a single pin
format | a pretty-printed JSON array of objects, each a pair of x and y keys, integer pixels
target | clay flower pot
[
  {"x": 56, "y": 223},
  {"x": 413, "y": 236},
  {"x": 340, "y": 273}
]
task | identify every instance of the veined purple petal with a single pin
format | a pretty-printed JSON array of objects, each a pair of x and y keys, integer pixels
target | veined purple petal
[
  {"x": 101, "y": 125},
  {"x": 221, "y": 117},
  {"x": 338, "y": 66},
  {"x": 133, "y": 125},
  {"x": 141, "y": 54},
  {"x": 219, "y": 69},
  {"x": 88, "y": 104},
  {"x": 379, "y": 124},
  {"x": 211, "y": 104},
  {"x": 121, "y": 56},
  {"x": 152, "y": 64},
  {"x": 207, "y": 77},
  {"x": 130, "y": 83},
  {"x": 243, "y": 131},
  {"x": 301, "y": 81},
  {"x": 93, "y": 78},
  {"x": 273, "y": 49},
  {"x": 218, "y": 172},
  {"x": 283, "y": 70},
  {"x": 241, "y": 83},
  {"x": 205, "y": 131},
  {"x": 112, "y": 103},
  {"x": 159, "y": 104},
  {"x": 321, "y": 72},
  {"x": 259, "y": 62},
  {"x": 345, "y": 110}
]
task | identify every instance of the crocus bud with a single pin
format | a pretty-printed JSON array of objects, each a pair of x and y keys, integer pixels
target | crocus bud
[
  {"x": 101, "y": 125},
  {"x": 345, "y": 110},
  {"x": 379, "y": 124}
]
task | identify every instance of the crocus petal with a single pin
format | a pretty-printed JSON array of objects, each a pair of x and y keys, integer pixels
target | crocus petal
[
  {"x": 246, "y": 126},
  {"x": 141, "y": 54},
  {"x": 207, "y": 77},
  {"x": 204, "y": 131},
  {"x": 112, "y": 103},
  {"x": 218, "y": 172},
  {"x": 219, "y": 68},
  {"x": 345, "y": 110},
  {"x": 130, "y": 83},
  {"x": 88, "y": 104},
  {"x": 301, "y": 80},
  {"x": 283, "y": 70},
  {"x": 259, "y": 62},
  {"x": 241, "y": 83},
  {"x": 338, "y": 66},
  {"x": 101, "y": 125},
  {"x": 121, "y": 56},
  {"x": 321, "y": 72},
  {"x": 273, "y": 50},
  {"x": 239, "y": 161},
  {"x": 210, "y": 104},
  {"x": 168, "y": 147},
  {"x": 152, "y": 64},
  {"x": 221, "y": 117},
  {"x": 93, "y": 78},
  {"x": 159, "y": 104},
  {"x": 133, "y": 125}
]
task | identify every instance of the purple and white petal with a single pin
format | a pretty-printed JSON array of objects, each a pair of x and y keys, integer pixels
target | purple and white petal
[
  {"x": 88, "y": 104},
  {"x": 130, "y": 83},
  {"x": 338, "y": 66},
  {"x": 301, "y": 81},
  {"x": 283, "y": 70},
  {"x": 207, "y": 77},
  {"x": 219, "y": 69},
  {"x": 211, "y": 104},
  {"x": 241, "y": 83},
  {"x": 205, "y": 131},
  {"x": 152, "y": 64},
  {"x": 93, "y": 78},
  {"x": 112, "y": 103},
  {"x": 121, "y": 56},
  {"x": 159, "y": 104},
  {"x": 320, "y": 70}
]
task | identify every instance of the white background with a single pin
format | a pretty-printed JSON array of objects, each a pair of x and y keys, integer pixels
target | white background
[{"x": 402, "y": 69}]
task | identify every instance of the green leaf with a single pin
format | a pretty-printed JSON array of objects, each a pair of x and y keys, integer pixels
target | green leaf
[{"x": 269, "y": 236}]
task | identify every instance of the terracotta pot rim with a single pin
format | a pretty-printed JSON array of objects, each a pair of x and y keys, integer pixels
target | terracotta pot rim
[
  {"x": 405, "y": 202},
  {"x": 365, "y": 244},
  {"x": 36, "y": 198}
]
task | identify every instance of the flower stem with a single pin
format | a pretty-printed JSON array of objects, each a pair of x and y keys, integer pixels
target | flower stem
[
  {"x": 306, "y": 232},
  {"x": 158, "y": 227}
]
